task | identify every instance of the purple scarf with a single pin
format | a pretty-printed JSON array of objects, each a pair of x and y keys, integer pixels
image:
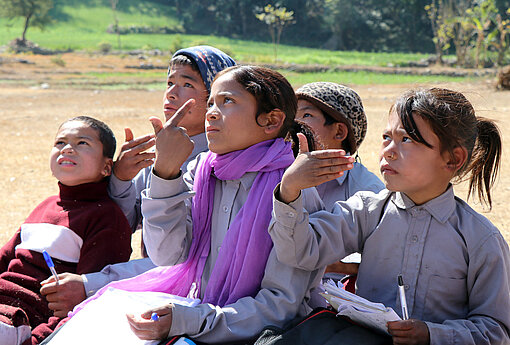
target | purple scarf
[{"x": 242, "y": 259}]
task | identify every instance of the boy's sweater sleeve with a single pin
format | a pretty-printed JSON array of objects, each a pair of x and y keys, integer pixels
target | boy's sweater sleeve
[
  {"x": 310, "y": 241},
  {"x": 7, "y": 252},
  {"x": 488, "y": 281}
]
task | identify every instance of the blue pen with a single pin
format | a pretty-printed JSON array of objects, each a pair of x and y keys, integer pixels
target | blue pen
[
  {"x": 154, "y": 317},
  {"x": 50, "y": 264}
]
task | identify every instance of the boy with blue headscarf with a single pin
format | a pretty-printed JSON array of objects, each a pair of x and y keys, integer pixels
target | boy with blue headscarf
[{"x": 190, "y": 74}]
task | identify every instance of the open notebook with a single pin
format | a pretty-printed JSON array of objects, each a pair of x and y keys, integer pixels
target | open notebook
[
  {"x": 358, "y": 309},
  {"x": 103, "y": 321}
]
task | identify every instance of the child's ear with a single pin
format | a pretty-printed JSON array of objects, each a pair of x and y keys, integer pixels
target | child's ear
[
  {"x": 341, "y": 131},
  {"x": 107, "y": 168},
  {"x": 457, "y": 159},
  {"x": 272, "y": 121}
]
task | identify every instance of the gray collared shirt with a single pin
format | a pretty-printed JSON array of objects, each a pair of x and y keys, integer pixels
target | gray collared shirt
[
  {"x": 352, "y": 181},
  {"x": 284, "y": 293},
  {"x": 454, "y": 262}
]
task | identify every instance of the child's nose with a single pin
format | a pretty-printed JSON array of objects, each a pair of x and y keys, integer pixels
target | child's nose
[
  {"x": 67, "y": 148},
  {"x": 212, "y": 113},
  {"x": 171, "y": 92}
]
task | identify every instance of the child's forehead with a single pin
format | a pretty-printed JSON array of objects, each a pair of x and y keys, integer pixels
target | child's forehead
[
  {"x": 77, "y": 128},
  {"x": 184, "y": 71}
]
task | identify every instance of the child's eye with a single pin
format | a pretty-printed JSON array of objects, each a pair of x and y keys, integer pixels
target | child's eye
[
  {"x": 209, "y": 104},
  {"x": 188, "y": 85},
  {"x": 386, "y": 137},
  {"x": 307, "y": 115},
  {"x": 169, "y": 83},
  {"x": 59, "y": 143},
  {"x": 407, "y": 140},
  {"x": 82, "y": 142},
  {"x": 227, "y": 100}
]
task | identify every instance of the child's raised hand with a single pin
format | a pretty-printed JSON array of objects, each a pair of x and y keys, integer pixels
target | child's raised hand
[
  {"x": 147, "y": 329},
  {"x": 173, "y": 145},
  {"x": 311, "y": 169},
  {"x": 132, "y": 157},
  {"x": 412, "y": 332}
]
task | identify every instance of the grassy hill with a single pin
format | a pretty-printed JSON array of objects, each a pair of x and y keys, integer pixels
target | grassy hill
[{"x": 81, "y": 25}]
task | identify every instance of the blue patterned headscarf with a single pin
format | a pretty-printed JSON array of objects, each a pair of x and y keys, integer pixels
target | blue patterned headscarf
[{"x": 209, "y": 60}]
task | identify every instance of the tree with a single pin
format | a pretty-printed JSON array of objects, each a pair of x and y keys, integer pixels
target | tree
[
  {"x": 276, "y": 18},
  {"x": 113, "y": 4},
  {"x": 498, "y": 38},
  {"x": 34, "y": 12},
  {"x": 440, "y": 13},
  {"x": 481, "y": 17}
]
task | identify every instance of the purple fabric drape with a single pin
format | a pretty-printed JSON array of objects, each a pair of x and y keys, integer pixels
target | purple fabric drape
[{"x": 241, "y": 261}]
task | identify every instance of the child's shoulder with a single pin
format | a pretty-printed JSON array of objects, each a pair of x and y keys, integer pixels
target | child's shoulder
[
  {"x": 363, "y": 179},
  {"x": 474, "y": 227}
]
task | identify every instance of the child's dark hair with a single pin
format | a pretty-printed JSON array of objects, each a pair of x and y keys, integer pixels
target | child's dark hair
[
  {"x": 182, "y": 60},
  {"x": 272, "y": 91},
  {"x": 106, "y": 135},
  {"x": 452, "y": 118}
]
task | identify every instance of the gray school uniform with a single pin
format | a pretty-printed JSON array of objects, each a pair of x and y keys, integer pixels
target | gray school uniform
[
  {"x": 167, "y": 228},
  {"x": 455, "y": 263},
  {"x": 127, "y": 195},
  {"x": 352, "y": 181}
]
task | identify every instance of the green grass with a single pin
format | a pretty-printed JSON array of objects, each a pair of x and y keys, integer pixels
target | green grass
[
  {"x": 365, "y": 78},
  {"x": 85, "y": 28}
]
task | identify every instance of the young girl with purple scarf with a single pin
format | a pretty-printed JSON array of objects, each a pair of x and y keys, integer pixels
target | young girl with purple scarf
[{"x": 217, "y": 245}]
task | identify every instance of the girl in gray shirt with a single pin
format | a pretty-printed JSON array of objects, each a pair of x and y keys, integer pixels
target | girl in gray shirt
[{"x": 454, "y": 262}]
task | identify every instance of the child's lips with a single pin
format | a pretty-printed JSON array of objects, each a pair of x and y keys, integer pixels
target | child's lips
[
  {"x": 66, "y": 161},
  {"x": 386, "y": 169},
  {"x": 210, "y": 129}
]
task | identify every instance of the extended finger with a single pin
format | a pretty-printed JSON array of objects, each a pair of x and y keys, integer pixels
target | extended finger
[
  {"x": 303, "y": 143},
  {"x": 137, "y": 149},
  {"x": 156, "y": 124},
  {"x": 128, "y": 133},
  {"x": 335, "y": 164},
  {"x": 180, "y": 113},
  {"x": 330, "y": 153},
  {"x": 136, "y": 142}
]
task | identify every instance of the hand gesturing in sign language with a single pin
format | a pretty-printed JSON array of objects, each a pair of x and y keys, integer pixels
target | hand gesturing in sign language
[
  {"x": 173, "y": 145},
  {"x": 311, "y": 169}
]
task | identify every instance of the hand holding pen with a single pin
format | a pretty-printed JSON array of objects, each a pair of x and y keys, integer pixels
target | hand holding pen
[
  {"x": 50, "y": 264},
  {"x": 407, "y": 331}
]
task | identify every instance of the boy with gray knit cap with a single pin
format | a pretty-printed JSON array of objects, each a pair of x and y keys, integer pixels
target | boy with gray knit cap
[{"x": 336, "y": 115}]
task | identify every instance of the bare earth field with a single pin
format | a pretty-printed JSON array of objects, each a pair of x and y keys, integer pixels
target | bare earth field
[{"x": 29, "y": 117}]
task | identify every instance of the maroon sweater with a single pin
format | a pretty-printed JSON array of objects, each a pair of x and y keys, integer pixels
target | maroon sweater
[{"x": 82, "y": 229}]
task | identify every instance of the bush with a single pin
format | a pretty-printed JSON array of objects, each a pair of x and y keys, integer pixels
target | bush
[
  {"x": 105, "y": 47},
  {"x": 57, "y": 60},
  {"x": 177, "y": 44}
]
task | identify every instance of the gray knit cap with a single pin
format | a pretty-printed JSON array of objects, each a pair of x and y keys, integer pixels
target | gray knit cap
[{"x": 341, "y": 103}]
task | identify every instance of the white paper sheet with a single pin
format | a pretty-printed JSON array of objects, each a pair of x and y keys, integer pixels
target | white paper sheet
[
  {"x": 359, "y": 309},
  {"x": 103, "y": 321}
]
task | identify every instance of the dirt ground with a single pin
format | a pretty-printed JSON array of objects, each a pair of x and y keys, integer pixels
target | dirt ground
[{"x": 30, "y": 115}]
